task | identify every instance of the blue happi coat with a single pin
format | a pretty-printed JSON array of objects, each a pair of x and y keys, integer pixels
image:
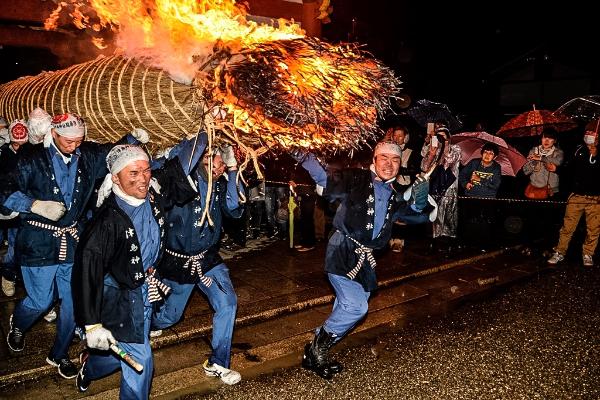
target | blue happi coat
[
  {"x": 186, "y": 236},
  {"x": 36, "y": 178}
]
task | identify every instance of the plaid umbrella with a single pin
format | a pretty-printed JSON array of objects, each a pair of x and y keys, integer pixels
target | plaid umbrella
[
  {"x": 532, "y": 123},
  {"x": 470, "y": 143},
  {"x": 583, "y": 108},
  {"x": 424, "y": 111}
]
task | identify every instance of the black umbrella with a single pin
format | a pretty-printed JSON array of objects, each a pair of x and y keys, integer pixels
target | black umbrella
[
  {"x": 424, "y": 111},
  {"x": 585, "y": 108}
]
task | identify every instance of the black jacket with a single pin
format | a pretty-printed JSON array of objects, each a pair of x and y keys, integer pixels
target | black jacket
[
  {"x": 355, "y": 188},
  {"x": 34, "y": 176},
  {"x": 107, "y": 247}
]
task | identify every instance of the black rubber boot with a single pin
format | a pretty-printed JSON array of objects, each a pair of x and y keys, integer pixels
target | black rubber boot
[{"x": 316, "y": 355}]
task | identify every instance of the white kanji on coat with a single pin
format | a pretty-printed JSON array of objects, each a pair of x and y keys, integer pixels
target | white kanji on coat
[
  {"x": 55, "y": 190},
  {"x": 129, "y": 233},
  {"x": 197, "y": 209},
  {"x": 156, "y": 211},
  {"x": 370, "y": 211},
  {"x": 138, "y": 276},
  {"x": 161, "y": 221},
  {"x": 370, "y": 199},
  {"x": 135, "y": 260},
  {"x": 133, "y": 247},
  {"x": 369, "y": 226}
]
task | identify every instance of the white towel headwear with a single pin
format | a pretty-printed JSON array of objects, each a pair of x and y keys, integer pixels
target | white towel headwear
[
  {"x": 387, "y": 147},
  {"x": 69, "y": 125},
  {"x": 118, "y": 158},
  {"x": 39, "y": 124}
]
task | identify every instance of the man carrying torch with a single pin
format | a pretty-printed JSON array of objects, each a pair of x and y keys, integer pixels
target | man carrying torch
[{"x": 114, "y": 282}]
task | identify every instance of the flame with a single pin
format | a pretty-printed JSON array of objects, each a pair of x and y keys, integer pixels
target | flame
[
  {"x": 276, "y": 85},
  {"x": 99, "y": 43},
  {"x": 319, "y": 95},
  {"x": 174, "y": 35}
]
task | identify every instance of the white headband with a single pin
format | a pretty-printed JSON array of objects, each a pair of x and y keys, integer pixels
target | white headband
[
  {"x": 69, "y": 125},
  {"x": 387, "y": 147},
  {"x": 118, "y": 158},
  {"x": 122, "y": 155}
]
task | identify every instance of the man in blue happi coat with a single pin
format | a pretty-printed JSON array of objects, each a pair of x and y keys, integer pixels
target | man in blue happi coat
[
  {"x": 192, "y": 256},
  {"x": 50, "y": 188},
  {"x": 371, "y": 202},
  {"x": 115, "y": 285}
]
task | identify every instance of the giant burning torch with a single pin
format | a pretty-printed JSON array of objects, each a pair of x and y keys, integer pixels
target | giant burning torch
[{"x": 185, "y": 65}]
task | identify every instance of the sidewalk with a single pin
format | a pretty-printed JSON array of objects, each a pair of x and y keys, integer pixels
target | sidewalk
[{"x": 282, "y": 296}]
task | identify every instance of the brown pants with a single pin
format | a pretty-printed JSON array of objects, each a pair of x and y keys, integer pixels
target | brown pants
[{"x": 577, "y": 205}]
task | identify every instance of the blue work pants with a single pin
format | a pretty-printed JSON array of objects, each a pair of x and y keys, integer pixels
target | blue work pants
[
  {"x": 41, "y": 284},
  {"x": 349, "y": 307},
  {"x": 223, "y": 300}
]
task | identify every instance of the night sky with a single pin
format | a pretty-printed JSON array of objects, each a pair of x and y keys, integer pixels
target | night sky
[{"x": 459, "y": 54}]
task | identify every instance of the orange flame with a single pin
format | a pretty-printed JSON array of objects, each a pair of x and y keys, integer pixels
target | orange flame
[
  {"x": 197, "y": 40},
  {"x": 174, "y": 35}
]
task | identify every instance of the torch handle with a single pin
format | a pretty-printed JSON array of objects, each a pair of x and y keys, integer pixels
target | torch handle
[{"x": 126, "y": 357}]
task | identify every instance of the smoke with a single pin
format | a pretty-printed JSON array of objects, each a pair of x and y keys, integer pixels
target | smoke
[
  {"x": 173, "y": 35},
  {"x": 180, "y": 60}
]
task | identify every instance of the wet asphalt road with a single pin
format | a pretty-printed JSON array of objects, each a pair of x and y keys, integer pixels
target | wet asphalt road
[{"x": 538, "y": 340}]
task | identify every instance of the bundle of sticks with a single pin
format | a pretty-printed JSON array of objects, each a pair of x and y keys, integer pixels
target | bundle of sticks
[{"x": 288, "y": 93}]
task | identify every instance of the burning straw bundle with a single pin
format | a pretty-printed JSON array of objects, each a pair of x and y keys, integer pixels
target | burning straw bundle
[
  {"x": 288, "y": 93},
  {"x": 305, "y": 92}
]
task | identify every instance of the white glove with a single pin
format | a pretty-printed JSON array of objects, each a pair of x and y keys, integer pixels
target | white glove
[
  {"x": 53, "y": 210},
  {"x": 140, "y": 135},
  {"x": 98, "y": 337},
  {"x": 12, "y": 215},
  {"x": 228, "y": 157}
]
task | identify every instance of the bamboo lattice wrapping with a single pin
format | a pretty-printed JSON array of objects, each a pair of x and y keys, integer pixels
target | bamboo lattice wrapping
[{"x": 114, "y": 95}]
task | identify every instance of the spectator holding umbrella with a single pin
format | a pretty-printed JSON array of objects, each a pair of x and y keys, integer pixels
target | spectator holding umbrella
[
  {"x": 481, "y": 178},
  {"x": 542, "y": 163},
  {"x": 442, "y": 156}
]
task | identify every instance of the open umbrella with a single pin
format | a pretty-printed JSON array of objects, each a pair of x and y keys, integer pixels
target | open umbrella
[
  {"x": 470, "y": 143},
  {"x": 424, "y": 111},
  {"x": 583, "y": 108},
  {"x": 532, "y": 123}
]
